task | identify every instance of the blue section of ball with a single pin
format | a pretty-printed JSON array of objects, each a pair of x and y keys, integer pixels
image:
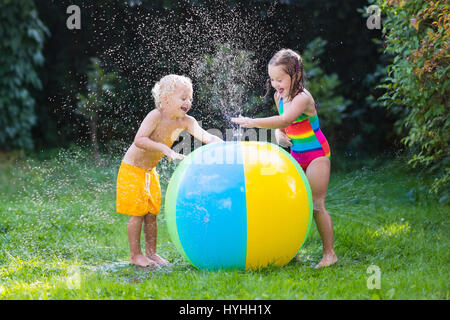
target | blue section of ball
[{"x": 218, "y": 240}]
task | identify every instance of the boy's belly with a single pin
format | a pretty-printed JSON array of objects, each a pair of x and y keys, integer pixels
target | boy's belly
[{"x": 142, "y": 158}]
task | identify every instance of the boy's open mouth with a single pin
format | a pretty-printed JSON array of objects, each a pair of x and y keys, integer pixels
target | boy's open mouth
[{"x": 185, "y": 109}]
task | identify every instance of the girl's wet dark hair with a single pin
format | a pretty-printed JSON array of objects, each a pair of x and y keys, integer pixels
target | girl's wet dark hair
[{"x": 293, "y": 65}]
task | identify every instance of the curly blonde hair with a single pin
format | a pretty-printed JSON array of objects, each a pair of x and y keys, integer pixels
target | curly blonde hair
[{"x": 167, "y": 85}]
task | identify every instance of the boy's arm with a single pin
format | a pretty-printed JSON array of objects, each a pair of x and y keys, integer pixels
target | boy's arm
[
  {"x": 142, "y": 140},
  {"x": 198, "y": 132}
]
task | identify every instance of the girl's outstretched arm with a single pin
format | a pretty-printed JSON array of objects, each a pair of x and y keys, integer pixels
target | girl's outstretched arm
[
  {"x": 296, "y": 108},
  {"x": 274, "y": 122}
]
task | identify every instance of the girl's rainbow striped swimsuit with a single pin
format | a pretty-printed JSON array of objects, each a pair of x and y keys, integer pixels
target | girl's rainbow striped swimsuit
[{"x": 308, "y": 141}]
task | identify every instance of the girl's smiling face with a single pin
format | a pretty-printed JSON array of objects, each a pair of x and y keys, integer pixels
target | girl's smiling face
[{"x": 280, "y": 80}]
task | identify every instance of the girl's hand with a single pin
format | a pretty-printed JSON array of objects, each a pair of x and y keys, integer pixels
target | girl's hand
[
  {"x": 282, "y": 139},
  {"x": 243, "y": 121}
]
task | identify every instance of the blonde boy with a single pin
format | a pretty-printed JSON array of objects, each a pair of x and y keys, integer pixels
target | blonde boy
[{"x": 138, "y": 189}]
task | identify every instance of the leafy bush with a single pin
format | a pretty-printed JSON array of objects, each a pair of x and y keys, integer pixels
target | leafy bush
[
  {"x": 417, "y": 35},
  {"x": 323, "y": 88},
  {"x": 22, "y": 38},
  {"x": 95, "y": 104}
]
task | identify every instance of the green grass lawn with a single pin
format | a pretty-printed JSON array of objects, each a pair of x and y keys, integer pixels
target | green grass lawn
[{"x": 61, "y": 239}]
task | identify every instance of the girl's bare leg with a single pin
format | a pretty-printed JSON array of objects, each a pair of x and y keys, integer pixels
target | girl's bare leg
[
  {"x": 134, "y": 237},
  {"x": 150, "y": 233},
  {"x": 318, "y": 174}
]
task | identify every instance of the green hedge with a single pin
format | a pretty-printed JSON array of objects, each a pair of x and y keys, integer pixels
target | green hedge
[
  {"x": 417, "y": 35},
  {"x": 22, "y": 38}
]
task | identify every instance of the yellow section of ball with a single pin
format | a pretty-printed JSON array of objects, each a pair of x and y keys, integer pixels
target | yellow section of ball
[{"x": 279, "y": 204}]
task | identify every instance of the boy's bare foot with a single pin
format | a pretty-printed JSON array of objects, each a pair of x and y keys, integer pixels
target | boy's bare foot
[
  {"x": 327, "y": 260},
  {"x": 157, "y": 259},
  {"x": 142, "y": 261}
]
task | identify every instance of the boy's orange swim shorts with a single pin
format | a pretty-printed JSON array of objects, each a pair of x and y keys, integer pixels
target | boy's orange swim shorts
[{"x": 138, "y": 191}]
